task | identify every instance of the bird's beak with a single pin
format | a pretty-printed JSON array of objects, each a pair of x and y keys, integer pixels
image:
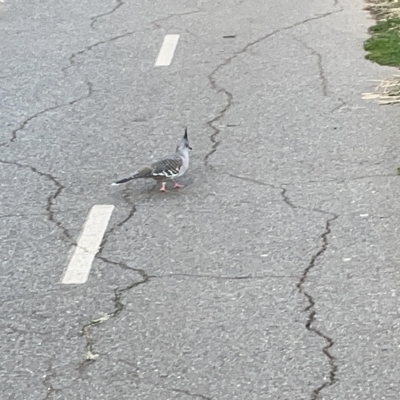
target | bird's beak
[{"x": 190, "y": 148}]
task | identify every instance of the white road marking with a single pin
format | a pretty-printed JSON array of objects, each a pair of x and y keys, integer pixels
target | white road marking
[
  {"x": 167, "y": 51},
  {"x": 88, "y": 244}
]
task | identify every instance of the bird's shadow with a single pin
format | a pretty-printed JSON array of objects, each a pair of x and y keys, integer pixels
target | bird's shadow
[{"x": 136, "y": 192}]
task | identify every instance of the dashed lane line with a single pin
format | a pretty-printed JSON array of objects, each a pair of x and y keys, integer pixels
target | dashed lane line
[
  {"x": 167, "y": 51},
  {"x": 88, "y": 244}
]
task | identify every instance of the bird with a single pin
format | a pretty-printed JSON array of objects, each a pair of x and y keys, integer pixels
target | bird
[{"x": 167, "y": 168}]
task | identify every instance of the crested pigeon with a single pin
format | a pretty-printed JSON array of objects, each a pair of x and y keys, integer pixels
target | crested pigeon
[{"x": 168, "y": 168}]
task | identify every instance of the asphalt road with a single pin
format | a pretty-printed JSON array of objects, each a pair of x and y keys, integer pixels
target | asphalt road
[{"x": 274, "y": 274}]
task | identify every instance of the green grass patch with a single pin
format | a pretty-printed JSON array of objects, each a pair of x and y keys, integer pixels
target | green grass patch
[{"x": 384, "y": 45}]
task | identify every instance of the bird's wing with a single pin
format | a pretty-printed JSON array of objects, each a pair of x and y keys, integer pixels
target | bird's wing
[
  {"x": 146, "y": 172},
  {"x": 168, "y": 167}
]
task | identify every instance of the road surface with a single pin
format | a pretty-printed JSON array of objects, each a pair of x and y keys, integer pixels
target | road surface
[{"x": 272, "y": 275}]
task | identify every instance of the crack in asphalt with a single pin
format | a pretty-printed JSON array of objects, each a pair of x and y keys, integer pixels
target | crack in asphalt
[
  {"x": 71, "y": 59},
  {"x": 91, "y": 355},
  {"x": 131, "y": 213},
  {"x": 283, "y": 193},
  {"x": 312, "y": 313},
  {"x": 118, "y": 4},
  {"x": 321, "y": 71},
  {"x": 14, "y": 133},
  {"x": 156, "y": 22},
  {"x": 49, "y": 374},
  {"x": 338, "y": 107},
  {"x": 287, "y": 200},
  {"x": 300, "y": 285},
  {"x": 51, "y": 198},
  {"x": 229, "y": 96}
]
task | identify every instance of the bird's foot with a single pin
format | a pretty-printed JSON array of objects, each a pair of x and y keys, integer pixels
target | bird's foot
[
  {"x": 163, "y": 187},
  {"x": 178, "y": 185}
]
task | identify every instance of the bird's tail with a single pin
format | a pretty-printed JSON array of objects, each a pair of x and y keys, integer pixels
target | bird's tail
[
  {"x": 144, "y": 173},
  {"x": 123, "y": 180}
]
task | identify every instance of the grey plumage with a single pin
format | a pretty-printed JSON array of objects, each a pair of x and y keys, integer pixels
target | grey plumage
[{"x": 168, "y": 168}]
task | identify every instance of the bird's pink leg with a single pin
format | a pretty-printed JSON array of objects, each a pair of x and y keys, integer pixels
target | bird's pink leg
[
  {"x": 178, "y": 185},
  {"x": 163, "y": 187}
]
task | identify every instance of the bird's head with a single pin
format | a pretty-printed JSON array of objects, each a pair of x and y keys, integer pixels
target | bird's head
[{"x": 184, "y": 143}]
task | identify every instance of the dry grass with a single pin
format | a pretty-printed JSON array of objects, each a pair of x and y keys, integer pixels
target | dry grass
[
  {"x": 387, "y": 91},
  {"x": 384, "y": 9}
]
